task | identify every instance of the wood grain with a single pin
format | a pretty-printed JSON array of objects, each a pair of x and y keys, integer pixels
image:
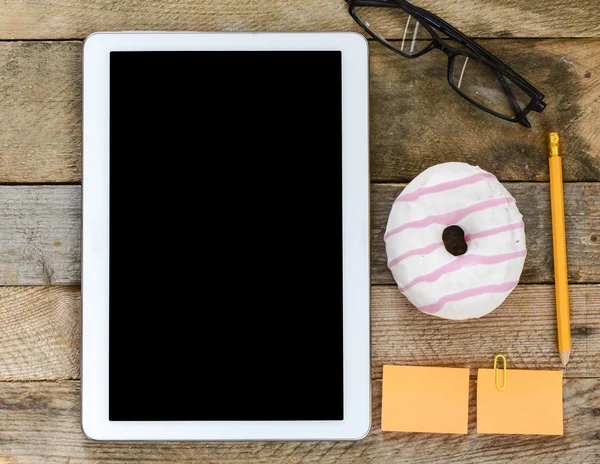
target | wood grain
[
  {"x": 40, "y": 103},
  {"x": 40, "y": 332},
  {"x": 417, "y": 120},
  {"x": 40, "y": 235},
  {"x": 39, "y": 422},
  {"x": 21, "y": 19},
  {"x": 523, "y": 328},
  {"x": 582, "y": 217}
]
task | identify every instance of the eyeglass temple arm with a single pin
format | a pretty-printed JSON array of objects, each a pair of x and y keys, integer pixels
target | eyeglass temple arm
[
  {"x": 382, "y": 3},
  {"x": 514, "y": 104}
]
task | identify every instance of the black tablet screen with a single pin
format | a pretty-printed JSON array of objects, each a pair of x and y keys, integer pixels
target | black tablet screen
[{"x": 225, "y": 236}]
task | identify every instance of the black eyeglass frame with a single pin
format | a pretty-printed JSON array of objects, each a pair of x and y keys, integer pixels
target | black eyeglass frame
[{"x": 434, "y": 23}]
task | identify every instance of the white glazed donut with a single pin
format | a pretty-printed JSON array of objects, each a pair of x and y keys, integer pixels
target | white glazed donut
[{"x": 435, "y": 281}]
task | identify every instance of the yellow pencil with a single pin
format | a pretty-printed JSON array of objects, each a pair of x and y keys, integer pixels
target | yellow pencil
[{"x": 559, "y": 241}]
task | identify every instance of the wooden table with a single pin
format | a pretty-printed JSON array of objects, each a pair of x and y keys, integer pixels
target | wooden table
[{"x": 416, "y": 121}]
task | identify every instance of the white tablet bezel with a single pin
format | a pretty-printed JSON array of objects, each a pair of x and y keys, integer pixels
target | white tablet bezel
[{"x": 95, "y": 236}]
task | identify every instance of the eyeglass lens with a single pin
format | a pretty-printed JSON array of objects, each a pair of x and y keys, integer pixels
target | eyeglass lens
[
  {"x": 483, "y": 84},
  {"x": 395, "y": 22}
]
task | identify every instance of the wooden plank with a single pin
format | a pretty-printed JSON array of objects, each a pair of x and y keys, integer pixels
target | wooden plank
[
  {"x": 40, "y": 103},
  {"x": 523, "y": 328},
  {"x": 40, "y": 235},
  {"x": 20, "y": 19},
  {"x": 40, "y": 332},
  {"x": 417, "y": 120},
  {"x": 582, "y": 217},
  {"x": 39, "y": 422}
]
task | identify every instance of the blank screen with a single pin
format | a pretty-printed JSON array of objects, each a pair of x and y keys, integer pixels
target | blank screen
[{"x": 225, "y": 236}]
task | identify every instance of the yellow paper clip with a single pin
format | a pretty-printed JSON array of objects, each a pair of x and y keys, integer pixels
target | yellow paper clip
[{"x": 496, "y": 372}]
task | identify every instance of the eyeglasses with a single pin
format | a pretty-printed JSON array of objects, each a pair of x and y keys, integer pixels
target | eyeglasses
[{"x": 473, "y": 72}]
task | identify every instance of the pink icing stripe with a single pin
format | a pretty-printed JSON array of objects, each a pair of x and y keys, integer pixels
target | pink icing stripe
[
  {"x": 471, "y": 292},
  {"x": 495, "y": 230},
  {"x": 447, "y": 219},
  {"x": 418, "y": 251},
  {"x": 452, "y": 184},
  {"x": 459, "y": 263}
]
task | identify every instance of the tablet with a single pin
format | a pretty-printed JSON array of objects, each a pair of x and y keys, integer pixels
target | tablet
[{"x": 225, "y": 279}]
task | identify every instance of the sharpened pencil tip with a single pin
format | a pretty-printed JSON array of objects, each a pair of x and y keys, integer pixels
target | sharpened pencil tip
[{"x": 564, "y": 357}]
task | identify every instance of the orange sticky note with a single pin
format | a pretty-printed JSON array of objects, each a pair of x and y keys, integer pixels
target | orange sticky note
[
  {"x": 531, "y": 403},
  {"x": 425, "y": 399}
]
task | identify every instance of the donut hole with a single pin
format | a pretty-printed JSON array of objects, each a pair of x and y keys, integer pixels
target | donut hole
[{"x": 454, "y": 240}]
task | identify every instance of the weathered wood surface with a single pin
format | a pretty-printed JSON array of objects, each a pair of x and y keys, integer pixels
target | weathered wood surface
[
  {"x": 40, "y": 111},
  {"x": 523, "y": 328},
  {"x": 21, "y": 19},
  {"x": 582, "y": 216},
  {"x": 39, "y": 422},
  {"x": 417, "y": 120},
  {"x": 40, "y": 332},
  {"x": 40, "y": 237},
  {"x": 40, "y": 232}
]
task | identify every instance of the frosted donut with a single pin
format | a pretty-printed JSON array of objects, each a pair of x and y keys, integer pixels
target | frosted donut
[{"x": 435, "y": 281}]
